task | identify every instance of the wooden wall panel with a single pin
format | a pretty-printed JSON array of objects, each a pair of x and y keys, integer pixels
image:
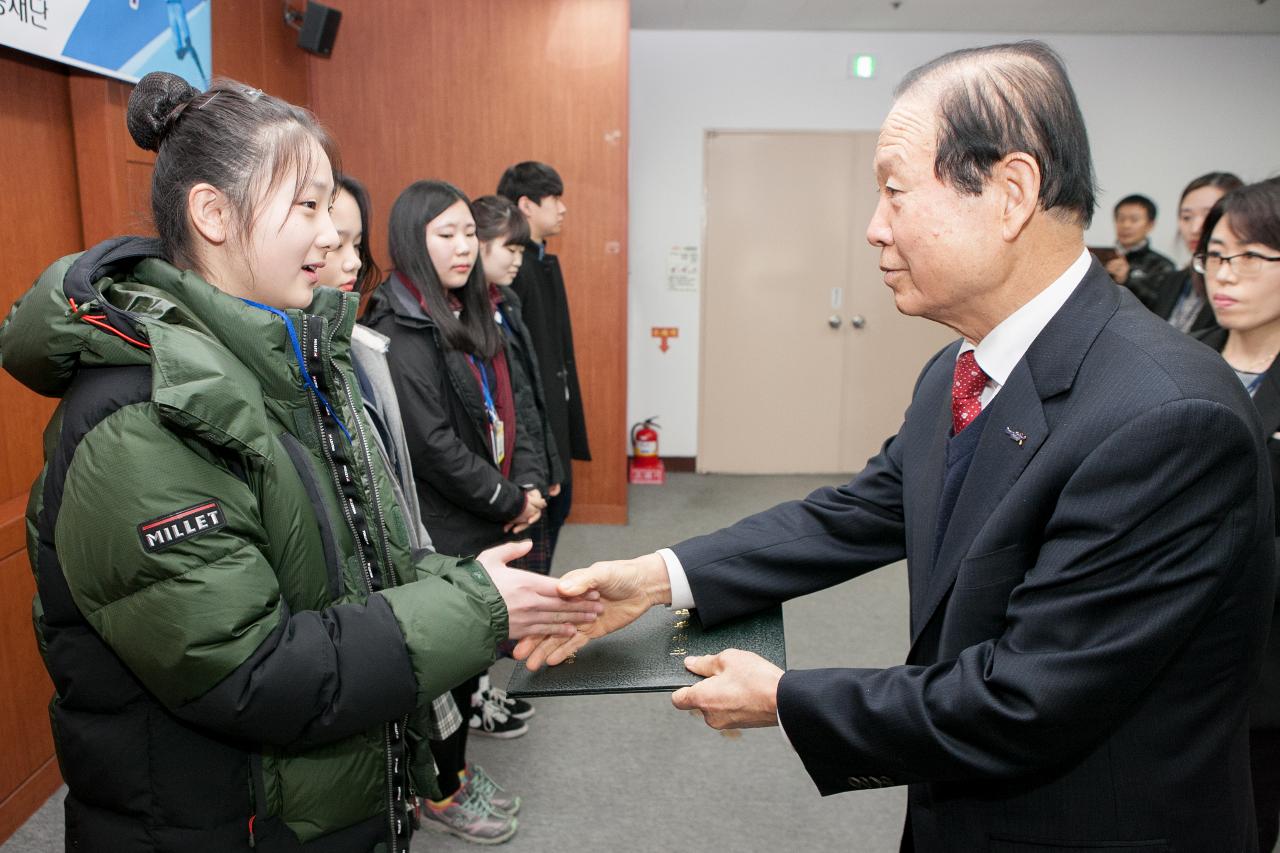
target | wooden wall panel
[
  {"x": 431, "y": 89},
  {"x": 109, "y": 165},
  {"x": 29, "y": 743},
  {"x": 252, "y": 44},
  {"x": 40, "y": 209}
]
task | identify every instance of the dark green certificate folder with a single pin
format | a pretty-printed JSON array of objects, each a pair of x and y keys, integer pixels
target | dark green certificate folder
[{"x": 648, "y": 655}]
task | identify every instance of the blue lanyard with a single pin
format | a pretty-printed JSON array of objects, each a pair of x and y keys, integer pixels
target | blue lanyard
[
  {"x": 484, "y": 387},
  {"x": 307, "y": 380},
  {"x": 1254, "y": 383}
]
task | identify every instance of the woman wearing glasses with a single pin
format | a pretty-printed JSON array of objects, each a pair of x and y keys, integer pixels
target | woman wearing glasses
[
  {"x": 1239, "y": 257},
  {"x": 1178, "y": 296}
]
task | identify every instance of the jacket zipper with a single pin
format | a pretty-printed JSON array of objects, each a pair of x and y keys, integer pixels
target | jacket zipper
[
  {"x": 257, "y": 795},
  {"x": 253, "y": 809},
  {"x": 390, "y": 578},
  {"x": 393, "y": 732}
]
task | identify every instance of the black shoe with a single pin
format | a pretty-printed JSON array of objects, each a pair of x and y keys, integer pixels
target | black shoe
[
  {"x": 517, "y": 708},
  {"x": 491, "y": 719}
]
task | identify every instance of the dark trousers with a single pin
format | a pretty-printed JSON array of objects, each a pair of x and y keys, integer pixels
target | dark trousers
[
  {"x": 1264, "y": 758},
  {"x": 451, "y": 753},
  {"x": 557, "y": 511},
  {"x": 538, "y": 559}
]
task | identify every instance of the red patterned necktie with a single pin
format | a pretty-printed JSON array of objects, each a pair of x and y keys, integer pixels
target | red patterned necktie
[{"x": 966, "y": 391}]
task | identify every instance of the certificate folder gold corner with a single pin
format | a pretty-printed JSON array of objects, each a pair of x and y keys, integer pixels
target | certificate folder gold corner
[{"x": 648, "y": 655}]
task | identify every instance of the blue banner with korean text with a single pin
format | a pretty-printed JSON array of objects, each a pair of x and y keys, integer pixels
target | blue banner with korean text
[{"x": 126, "y": 39}]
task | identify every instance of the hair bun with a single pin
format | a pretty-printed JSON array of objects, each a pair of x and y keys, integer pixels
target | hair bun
[{"x": 153, "y": 107}]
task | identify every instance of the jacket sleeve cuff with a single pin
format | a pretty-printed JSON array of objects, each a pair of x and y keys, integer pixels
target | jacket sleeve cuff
[
  {"x": 508, "y": 500},
  {"x": 452, "y": 619},
  {"x": 806, "y": 699}
]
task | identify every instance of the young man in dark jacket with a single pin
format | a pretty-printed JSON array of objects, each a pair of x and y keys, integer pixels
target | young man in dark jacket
[
  {"x": 536, "y": 189},
  {"x": 1136, "y": 263}
]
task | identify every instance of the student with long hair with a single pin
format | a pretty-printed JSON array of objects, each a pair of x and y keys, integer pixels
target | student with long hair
[
  {"x": 1239, "y": 257},
  {"x": 472, "y": 425},
  {"x": 503, "y": 233},
  {"x": 1179, "y": 296},
  {"x": 242, "y": 644}
]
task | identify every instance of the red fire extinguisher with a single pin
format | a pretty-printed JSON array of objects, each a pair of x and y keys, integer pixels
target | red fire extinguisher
[
  {"x": 646, "y": 466},
  {"x": 644, "y": 442}
]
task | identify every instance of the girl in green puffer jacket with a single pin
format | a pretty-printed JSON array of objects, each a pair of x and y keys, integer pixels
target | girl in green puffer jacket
[{"x": 242, "y": 642}]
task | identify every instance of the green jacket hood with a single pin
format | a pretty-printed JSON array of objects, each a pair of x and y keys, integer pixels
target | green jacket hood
[
  {"x": 44, "y": 341},
  {"x": 215, "y": 358}
]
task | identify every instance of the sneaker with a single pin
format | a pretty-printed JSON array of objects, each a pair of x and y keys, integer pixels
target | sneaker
[
  {"x": 470, "y": 818},
  {"x": 492, "y": 720},
  {"x": 517, "y": 708},
  {"x": 483, "y": 787}
]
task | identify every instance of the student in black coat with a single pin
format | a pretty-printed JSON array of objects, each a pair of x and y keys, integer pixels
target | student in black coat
[
  {"x": 474, "y": 436},
  {"x": 1245, "y": 294},
  {"x": 479, "y": 461},
  {"x": 536, "y": 189},
  {"x": 504, "y": 232}
]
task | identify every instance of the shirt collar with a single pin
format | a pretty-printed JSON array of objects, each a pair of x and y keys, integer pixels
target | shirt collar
[{"x": 1005, "y": 345}]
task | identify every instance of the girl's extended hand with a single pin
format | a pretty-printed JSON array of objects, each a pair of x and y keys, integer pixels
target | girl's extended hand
[{"x": 534, "y": 604}]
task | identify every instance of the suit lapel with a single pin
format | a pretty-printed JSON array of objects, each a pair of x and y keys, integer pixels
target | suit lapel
[
  {"x": 925, "y": 486},
  {"x": 997, "y": 463},
  {"x": 1048, "y": 369}
]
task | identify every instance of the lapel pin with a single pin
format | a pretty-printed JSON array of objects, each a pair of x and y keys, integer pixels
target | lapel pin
[{"x": 1015, "y": 435}]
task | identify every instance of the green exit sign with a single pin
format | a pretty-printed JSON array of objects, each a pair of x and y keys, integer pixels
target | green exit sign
[{"x": 862, "y": 66}]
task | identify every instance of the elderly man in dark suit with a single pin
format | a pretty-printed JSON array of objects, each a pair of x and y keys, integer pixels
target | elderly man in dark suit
[{"x": 1082, "y": 497}]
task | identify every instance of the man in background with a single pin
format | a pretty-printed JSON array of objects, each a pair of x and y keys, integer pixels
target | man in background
[
  {"x": 536, "y": 189},
  {"x": 1135, "y": 260}
]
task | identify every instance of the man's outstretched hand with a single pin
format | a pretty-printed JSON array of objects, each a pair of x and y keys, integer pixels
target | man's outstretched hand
[
  {"x": 627, "y": 588},
  {"x": 535, "y": 607}
]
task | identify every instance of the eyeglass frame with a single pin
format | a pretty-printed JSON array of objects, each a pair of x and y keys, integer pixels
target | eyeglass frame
[{"x": 1200, "y": 262}]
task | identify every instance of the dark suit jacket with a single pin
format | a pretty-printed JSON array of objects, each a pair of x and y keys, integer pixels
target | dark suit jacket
[
  {"x": 1085, "y": 642},
  {"x": 1264, "y": 712}
]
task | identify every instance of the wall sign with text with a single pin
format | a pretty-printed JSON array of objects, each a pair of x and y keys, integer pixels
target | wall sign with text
[{"x": 126, "y": 39}]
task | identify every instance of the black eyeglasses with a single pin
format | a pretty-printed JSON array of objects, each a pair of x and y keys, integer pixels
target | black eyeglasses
[{"x": 1243, "y": 264}]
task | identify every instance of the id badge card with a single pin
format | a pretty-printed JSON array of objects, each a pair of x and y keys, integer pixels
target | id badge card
[{"x": 498, "y": 438}]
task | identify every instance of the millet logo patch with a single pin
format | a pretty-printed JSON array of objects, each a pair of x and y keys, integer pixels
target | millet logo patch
[{"x": 160, "y": 533}]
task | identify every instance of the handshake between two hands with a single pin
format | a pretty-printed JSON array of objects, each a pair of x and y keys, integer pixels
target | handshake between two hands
[{"x": 553, "y": 619}]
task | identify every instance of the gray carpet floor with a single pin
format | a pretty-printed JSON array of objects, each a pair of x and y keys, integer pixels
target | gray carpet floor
[{"x": 630, "y": 773}]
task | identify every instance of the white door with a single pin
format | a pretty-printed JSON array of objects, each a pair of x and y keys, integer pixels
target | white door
[{"x": 806, "y": 366}]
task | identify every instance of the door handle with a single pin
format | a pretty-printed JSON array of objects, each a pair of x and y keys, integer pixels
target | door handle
[
  {"x": 858, "y": 321},
  {"x": 834, "y": 321}
]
